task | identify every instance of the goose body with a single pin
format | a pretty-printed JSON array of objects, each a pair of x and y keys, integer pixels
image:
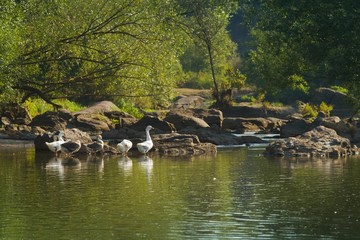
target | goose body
[
  {"x": 124, "y": 146},
  {"x": 55, "y": 146},
  {"x": 96, "y": 146},
  {"x": 145, "y": 146},
  {"x": 70, "y": 147}
]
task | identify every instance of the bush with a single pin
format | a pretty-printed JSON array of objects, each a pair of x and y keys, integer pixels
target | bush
[
  {"x": 37, "y": 106},
  {"x": 311, "y": 111}
]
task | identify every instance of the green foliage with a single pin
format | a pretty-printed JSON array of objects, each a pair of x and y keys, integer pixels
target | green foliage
[
  {"x": 37, "y": 106},
  {"x": 205, "y": 21},
  {"x": 197, "y": 80},
  {"x": 128, "y": 108},
  {"x": 89, "y": 50},
  {"x": 339, "y": 89},
  {"x": 325, "y": 108},
  {"x": 303, "y": 44},
  {"x": 248, "y": 98},
  {"x": 311, "y": 111}
]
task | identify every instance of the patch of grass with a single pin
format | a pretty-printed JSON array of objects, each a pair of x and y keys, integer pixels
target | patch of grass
[{"x": 37, "y": 106}]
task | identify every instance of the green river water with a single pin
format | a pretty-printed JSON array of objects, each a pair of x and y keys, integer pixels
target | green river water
[{"x": 237, "y": 194}]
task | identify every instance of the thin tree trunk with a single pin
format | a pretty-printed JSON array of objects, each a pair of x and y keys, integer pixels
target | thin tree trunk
[{"x": 216, "y": 89}]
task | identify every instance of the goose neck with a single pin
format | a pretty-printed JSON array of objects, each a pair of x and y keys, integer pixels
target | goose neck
[{"x": 148, "y": 138}]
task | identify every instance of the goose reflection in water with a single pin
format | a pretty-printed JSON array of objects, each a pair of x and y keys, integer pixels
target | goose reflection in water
[
  {"x": 62, "y": 166},
  {"x": 71, "y": 162},
  {"x": 146, "y": 163},
  {"x": 55, "y": 165},
  {"x": 125, "y": 163},
  {"x": 96, "y": 161}
]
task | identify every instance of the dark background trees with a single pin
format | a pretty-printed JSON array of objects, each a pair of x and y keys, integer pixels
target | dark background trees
[{"x": 300, "y": 45}]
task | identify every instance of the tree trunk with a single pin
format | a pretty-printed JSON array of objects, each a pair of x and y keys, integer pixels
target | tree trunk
[{"x": 216, "y": 89}]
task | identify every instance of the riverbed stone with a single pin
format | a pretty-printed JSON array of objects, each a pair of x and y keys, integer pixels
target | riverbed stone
[
  {"x": 181, "y": 144},
  {"x": 50, "y": 121},
  {"x": 319, "y": 142},
  {"x": 182, "y": 119},
  {"x": 159, "y": 125}
]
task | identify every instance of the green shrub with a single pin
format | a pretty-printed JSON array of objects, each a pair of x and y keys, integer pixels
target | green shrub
[
  {"x": 311, "y": 111},
  {"x": 247, "y": 98},
  {"x": 129, "y": 108},
  {"x": 325, "y": 108},
  {"x": 37, "y": 106}
]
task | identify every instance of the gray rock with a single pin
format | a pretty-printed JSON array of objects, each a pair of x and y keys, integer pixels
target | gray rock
[
  {"x": 245, "y": 124},
  {"x": 49, "y": 121},
  {"x": 160, "y": 126},
  {"x": 185, "y": 102},
  {"x": 319, "y": 142},
  {"x": 182, "y": 120}
]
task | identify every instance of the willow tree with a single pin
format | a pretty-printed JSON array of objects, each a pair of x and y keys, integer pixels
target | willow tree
[
  {"x": 205, "y": 21},
  {"x": 90, "y": 49}
]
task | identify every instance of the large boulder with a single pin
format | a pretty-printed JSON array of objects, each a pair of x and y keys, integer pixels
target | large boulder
[
  {"x": 186, "y": 102},
  {"x": 92, "y": 122},
  {"x": 210, "y": 116},
  {"x": 160, "y": 126},
  {"x": 347, "y": 128},
  {"x": 94, "y": 118},
  {"x": 319, "y": 142},
  {"x": 245, "y": 124},
  {"x": 50, "y": 121},
  {"x": 181, "y": 144},
  {"x": 339, "y": 101},
  {"x": 182, "y": 120},
  {"x": 100, "y": 107},
  {"x": 295, "y": 127}
]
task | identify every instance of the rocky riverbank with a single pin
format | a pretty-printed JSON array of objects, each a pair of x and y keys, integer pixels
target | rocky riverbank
[{"x": 193, "y": 131}]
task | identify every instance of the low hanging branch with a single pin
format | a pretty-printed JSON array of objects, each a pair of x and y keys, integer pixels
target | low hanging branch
[{"x": 31, "y": 91}]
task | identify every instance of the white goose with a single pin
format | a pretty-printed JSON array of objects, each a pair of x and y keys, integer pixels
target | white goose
[
  {"x": 96, "y": 146},
  {"x": 55, "y": 146},
  {"x": 144, "y": 147},
  {"x": 124, "y": 146}
]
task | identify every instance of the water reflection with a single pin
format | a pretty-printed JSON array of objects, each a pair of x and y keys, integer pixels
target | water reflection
[
  {"x": 326, "y": 165},
  {"x": 97, "y": 162},
  {"x": 146, "y": 164},
  {"x": 61, "y": 166},
  {"x": 72, "y": 162},
  {"x": 125, "y": 163},
  {"x": 237, "y": 194},
  {"x": 55, "y": 165}
]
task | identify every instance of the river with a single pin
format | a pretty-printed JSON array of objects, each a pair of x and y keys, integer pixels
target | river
[{"x": 237, "y": 194}]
